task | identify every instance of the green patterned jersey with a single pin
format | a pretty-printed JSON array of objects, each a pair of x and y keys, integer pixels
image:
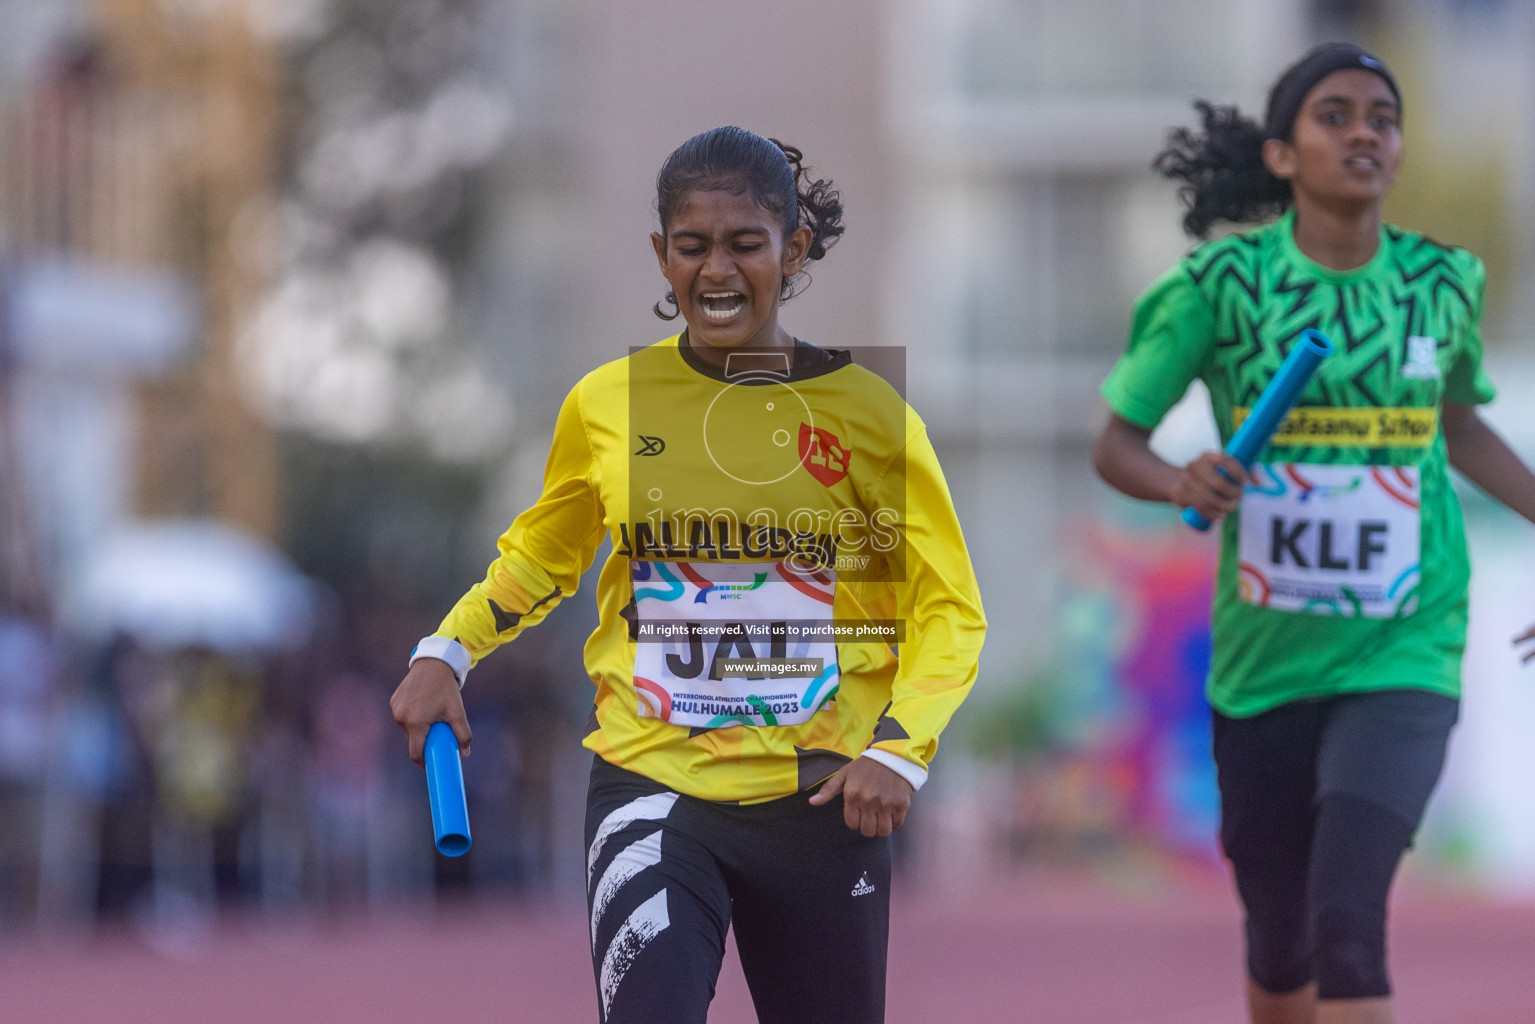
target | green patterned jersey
[{"x": 1345, "y": 568}]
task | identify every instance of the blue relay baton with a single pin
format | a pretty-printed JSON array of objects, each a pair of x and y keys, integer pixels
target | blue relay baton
[
  {"x": 445, "y": 788},
  {"x": 1272, "y": 406}
]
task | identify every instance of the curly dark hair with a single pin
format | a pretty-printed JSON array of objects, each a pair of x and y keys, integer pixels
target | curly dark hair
[
  {"x": 1221, "y": 167},
  {"x": 771, "y": 172},
  {"x": 1222, "y": 171}
]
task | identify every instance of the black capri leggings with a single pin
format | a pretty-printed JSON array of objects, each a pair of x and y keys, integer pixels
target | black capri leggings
[
  {"x": 1319, "y": 801},
  {"x": 667, "y": 875}
]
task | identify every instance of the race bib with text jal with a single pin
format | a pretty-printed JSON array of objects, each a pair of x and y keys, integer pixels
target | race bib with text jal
[{"x": 733, "y": 644}]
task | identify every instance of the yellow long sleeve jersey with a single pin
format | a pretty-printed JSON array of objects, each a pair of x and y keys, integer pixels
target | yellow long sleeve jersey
[{"x": 780, "y": 530}]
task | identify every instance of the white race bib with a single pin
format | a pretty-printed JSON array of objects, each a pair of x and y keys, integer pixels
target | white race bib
[
  {"x": 721, "y": 644},
  {"x": 1332, "y": 540}
]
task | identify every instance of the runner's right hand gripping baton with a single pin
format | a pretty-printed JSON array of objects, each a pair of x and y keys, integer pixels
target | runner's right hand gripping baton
[
  {"x": 445, "y": 787},
  {"x": 1272, "y": 406}
]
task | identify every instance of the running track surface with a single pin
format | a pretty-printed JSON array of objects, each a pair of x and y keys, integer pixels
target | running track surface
[{"x": 1058, "y": 949}]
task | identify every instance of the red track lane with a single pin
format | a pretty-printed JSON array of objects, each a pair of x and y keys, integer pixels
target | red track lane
[{"x": 1062, "y": 951}]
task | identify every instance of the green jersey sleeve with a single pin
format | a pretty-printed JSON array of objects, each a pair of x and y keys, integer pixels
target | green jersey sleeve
[
  {"x": 1171, "y": 337},
  {"x": 1467, "y": 382}
]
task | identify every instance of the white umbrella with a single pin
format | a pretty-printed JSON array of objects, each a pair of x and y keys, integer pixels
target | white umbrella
[{"x": 185, "y": 583}]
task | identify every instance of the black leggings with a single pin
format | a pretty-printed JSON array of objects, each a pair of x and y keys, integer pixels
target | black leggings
[
  {"x": 667, "y": 875},
  {"x": 1319, "y": 800}
]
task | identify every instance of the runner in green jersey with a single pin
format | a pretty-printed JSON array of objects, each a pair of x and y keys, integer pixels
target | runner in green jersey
[{"x": 1339, "y": 616}]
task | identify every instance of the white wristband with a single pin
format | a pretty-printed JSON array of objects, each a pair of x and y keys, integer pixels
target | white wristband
[
  {"x": 444, "y": 649},
  {"x": 909, "y": 770}
]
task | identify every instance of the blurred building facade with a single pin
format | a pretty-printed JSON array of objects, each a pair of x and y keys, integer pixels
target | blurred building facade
[{"x": 138, "y": 145}]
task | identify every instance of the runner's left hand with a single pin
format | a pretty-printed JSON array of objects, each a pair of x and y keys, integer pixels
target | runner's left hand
[
  {"x": 874, "y": 798},
  {"x": 1526, "y": 638}
]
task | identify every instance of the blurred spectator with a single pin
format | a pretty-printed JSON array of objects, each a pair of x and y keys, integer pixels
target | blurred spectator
[
  {"x": 200, "y": 731},
  {"x": 89, "y": 766},
  {"x": 133, "y": 679},
  {"x": 29, "y": 667},
  {"x": 277, "y": 854},
  {"x": 350, "y": 810}
]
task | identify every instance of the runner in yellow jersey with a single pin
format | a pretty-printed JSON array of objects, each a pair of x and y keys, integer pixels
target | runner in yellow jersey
[{"x": 787, "y": 620}]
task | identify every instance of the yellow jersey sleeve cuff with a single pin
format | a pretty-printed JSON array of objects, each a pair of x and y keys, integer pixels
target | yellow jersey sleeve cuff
[
  {"x": 909, "y": 770},
  {"x": 444, "y": 649}
]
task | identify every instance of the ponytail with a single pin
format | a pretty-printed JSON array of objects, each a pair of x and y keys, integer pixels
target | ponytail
[
  {"x": 1221, "y": 171},
  {"x": 818, "y": 206}
]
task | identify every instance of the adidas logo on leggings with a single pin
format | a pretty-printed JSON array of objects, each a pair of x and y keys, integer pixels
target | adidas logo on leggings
[{"x": 863, "y": 888}]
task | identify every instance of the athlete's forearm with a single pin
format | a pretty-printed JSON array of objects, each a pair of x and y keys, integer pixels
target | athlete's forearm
[
  {"x": 1124, "y": 459},
  {"x": 1484, "y": 458},
  {"x": 498, "y": 608}
]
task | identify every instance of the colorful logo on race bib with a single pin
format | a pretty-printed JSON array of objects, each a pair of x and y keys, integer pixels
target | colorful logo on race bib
[
  {"x": 705, "y": 589},
  {"x": 823, "y": 454}
]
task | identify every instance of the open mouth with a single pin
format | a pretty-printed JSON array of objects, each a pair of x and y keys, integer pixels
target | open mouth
[
  {"x": 721, "y": 305},
  {"x": 1362, "y": 163}
]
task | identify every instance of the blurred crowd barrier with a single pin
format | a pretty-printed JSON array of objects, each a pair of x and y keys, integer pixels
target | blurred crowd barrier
[{"x": 164, "y": 777}]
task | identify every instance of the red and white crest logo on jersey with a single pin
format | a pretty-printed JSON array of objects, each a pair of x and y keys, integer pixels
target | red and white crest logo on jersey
[{"x": 822, "y": 454}]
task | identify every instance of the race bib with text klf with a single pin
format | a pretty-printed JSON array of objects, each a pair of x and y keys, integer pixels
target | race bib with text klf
[
  {"x": 1331, "y": 540},
  {"x": 732, "y": 644}
]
